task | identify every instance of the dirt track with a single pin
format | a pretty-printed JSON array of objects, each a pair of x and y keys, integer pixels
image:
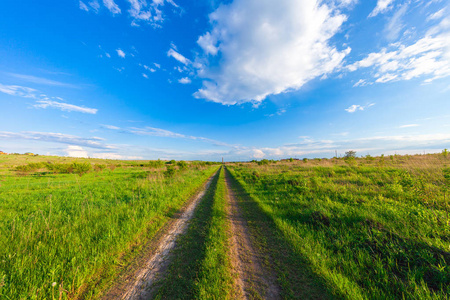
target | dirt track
[
  {"x": 139, "y": 284},
  {"x": 253, "y": 279}
]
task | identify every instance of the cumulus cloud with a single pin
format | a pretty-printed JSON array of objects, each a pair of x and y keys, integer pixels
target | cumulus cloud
[
  {"x": 428, "y": 57},
  {"x": 382, "y": 7},
  {"x": 64, "y": 106},
  {"x": 246, "y": 59},
  {"x": 185, "y": 80},
  {"x": 120, "y": 53},
  {"x": 76, "y": 151}
]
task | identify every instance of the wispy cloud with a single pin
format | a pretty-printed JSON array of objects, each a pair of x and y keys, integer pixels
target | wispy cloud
[
  {"x": 112, "y": 127},
  {"x": 120, "y": 53},
  {"x": 428, "y": 57},
  {"x": 112, "y": 6},
  {"x": 151, "y": 13},
  {"x": 356, "y": 107},
  {"x": 409, "y": 125},
  {"x": 178, "y": 56},
  {"x": 64, "y": 106},
  {"x": 382, "y": 7},
  {"x": 395, "y": 24},
  {"x": 52, "y": 137},
  {"x": 41, "y": 80},
  {"x": 16, "y": 90},
  {"x": 83, "y": 6}
]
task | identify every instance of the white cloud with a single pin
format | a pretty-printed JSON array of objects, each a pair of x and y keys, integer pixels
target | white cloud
[
  {"x": 120, "y": 53},
  {"x": 111, "y": 127},
  {"x": 112, "y": 6},
  {"x": 428, "y": 57},
  {"x": 94, "y": 5},
  {"x": 16, "y": 90},
  {"x": 257, "y": 153},
  {"x": 109, "y": 156},
  {"x": 409, "y": 126},
  {"x": 64, "y": 106},
  {"x": 52, "y": 137},
  {"x": 267, "y": 54},
  {"x": 185, "y": 80},
  {"x": 41, "y": 80},
  {"x": 362, "y": 82},
  {"x": 395, "y": 24},
  {"x": 382, "y": 7},
  {"x": 178, "y": 56},
  {"x": 83, "y": 6},
  {"x": 76, "y": 151},
  {"x": 437, "y": 15},
  {"x": 356, "y": 107},
  {"x": 145, "y": 75},
  {"x": 149, "y": 12}
]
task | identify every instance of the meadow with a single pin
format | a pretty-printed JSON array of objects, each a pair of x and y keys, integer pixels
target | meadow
[
  {"x": 364, "y": 228},
  {"x": 340, "y": 228},
  {"x": 69, "y": 226}
]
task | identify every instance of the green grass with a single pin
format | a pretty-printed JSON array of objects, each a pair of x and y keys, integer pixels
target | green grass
[
  {"x": 367, "y": 230},
  {"x": 68, "y": 236},
  {"x": 200, "y": 267}
]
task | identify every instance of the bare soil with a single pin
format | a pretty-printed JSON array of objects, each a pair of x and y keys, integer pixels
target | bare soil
[
  {"x": 136, "y": 284},
  {"x": 254, "y": 279}
]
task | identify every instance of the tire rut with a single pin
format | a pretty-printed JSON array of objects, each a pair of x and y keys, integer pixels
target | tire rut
[
  {"x": 139, "y": 285},
  {"x": 253, "y": 278}
]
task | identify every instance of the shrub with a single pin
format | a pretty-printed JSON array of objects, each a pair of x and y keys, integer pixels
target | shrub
[
  {"x": 170, "y": 171},
  {"x": 183, "y": 165},
  {"x": 81, "y": 168},
  {"x": 445, "y": 153}
]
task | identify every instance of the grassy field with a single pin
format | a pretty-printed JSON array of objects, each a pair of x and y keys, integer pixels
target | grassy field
[
  {"x": 367, "y": 228},
  {"x": 67, "y": 226},
  {"x": 353, "y": 228}
]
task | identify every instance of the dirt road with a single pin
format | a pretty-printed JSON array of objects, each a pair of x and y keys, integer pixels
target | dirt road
[
  {"x": 255, "y": 280},
  {"x": 138, "y": 285}
]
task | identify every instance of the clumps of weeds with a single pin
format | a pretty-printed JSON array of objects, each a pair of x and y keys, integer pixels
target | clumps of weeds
[
  {"x": 170, "y": 171},
  {"x": 99, "y": 167},
  {"x": 62, "y": 168},
  {"x": 182, "y": 165},
  {"x": 155, "y": 164}
]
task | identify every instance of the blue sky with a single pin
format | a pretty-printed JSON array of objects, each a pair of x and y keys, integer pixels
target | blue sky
[{"x": 239, "y": 79}]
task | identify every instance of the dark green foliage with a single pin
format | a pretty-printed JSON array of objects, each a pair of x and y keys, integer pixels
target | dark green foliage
[
  {"x": 170, "y": 171},
  {"x": 182, "y": 165}
]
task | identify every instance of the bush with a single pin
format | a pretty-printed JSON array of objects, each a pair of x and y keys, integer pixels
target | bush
[
  {"x": 170, "y": 171},
  {"x": 183, "y": 165},
  {"x": 81, "y": 168}
]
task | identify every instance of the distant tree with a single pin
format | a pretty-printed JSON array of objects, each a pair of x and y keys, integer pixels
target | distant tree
[{"x": 350, "y": 154}]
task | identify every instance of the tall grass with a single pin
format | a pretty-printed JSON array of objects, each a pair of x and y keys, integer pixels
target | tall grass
[
  {"x": 66, "y": 236},
  {"x": 369, "y": 230}
]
